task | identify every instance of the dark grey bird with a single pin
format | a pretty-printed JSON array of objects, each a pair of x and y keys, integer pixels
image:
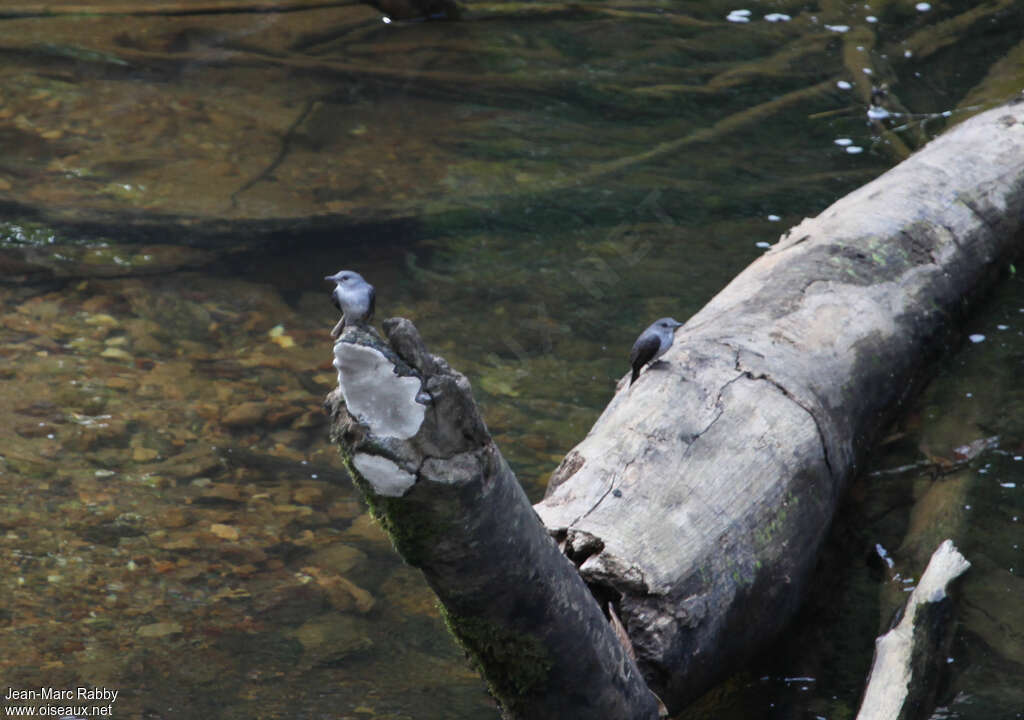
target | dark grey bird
[
  {"x": 354, "y": 297},
  {"x": 652, "y": 344}
]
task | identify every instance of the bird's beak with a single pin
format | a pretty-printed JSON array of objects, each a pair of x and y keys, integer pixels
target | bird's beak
[{"x": 329, "y": 277}]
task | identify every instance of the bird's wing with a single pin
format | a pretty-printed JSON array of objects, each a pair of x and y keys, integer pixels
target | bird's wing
[
  {"x": 644, "y": 350},
  {"x": 373, "y": 303}
]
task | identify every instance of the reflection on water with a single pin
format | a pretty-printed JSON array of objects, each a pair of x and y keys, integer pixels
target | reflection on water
[{"x": 532, "y": 186}]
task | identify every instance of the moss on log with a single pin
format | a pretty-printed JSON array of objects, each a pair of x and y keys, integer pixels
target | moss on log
[
  {"x": 415, "y": 445},
  {"x": 698, "y": 503},
  {"x": 700, "y": 498}
]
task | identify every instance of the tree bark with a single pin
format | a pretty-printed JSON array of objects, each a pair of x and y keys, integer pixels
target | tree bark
[
  {"x": 415, "y": 445},
  {"x": 910, "y": 657},
  {"x": 699, "y": 500}
]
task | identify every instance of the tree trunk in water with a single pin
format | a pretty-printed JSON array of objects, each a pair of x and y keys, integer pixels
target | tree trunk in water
[
  {"x": 414, "y": 443},
  {"x": 699, "y": 500},
  {"x": 910, "y": 657}
]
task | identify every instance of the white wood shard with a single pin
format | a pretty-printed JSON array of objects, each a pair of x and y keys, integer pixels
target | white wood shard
[
  {"x": 386, "y": 477},
  {"x": 380, "y": 399},
  {"x": 892, "y": 673}
]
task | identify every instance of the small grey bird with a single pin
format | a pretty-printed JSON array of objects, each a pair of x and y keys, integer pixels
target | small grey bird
[
  {"x": 354, "y": 297},
  {"x": 652, "y": 344}
]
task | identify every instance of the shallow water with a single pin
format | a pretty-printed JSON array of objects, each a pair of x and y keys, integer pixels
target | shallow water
[{"x": 531, "y": 186}]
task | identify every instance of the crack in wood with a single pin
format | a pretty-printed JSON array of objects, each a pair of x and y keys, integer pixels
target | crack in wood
[
  {"x": 611, "y": 486},
  {"x": 814, "y": 418},
  {"x": 764, "y": 376},
  {"x": 985, "y": 218}
]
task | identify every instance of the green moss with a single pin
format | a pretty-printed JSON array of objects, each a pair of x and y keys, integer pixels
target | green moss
[
  {"x": 513, "y": 664},
  {"x": 412, "y": 533},
  {"x": 31, "y": 233},
  {"x": 764, "y": 535},
  {"x": 35, "y": 234}
]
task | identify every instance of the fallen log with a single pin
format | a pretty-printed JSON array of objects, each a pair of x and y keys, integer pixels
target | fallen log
[
  {"x": 910, "y": 657},
  {"x": 697, "y": 504},
  {"x": 414, "y": 443},
  {"x": 699, "y": 500}
]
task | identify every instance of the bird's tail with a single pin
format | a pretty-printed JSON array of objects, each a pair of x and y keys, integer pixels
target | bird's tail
[{"x": 636, "y": 374}]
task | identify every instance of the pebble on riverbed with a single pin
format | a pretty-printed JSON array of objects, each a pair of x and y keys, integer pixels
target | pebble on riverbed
[{"x": 191, "y": 486}]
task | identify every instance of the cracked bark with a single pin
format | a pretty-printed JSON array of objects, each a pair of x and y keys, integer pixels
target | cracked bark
[
  {"x": 509, "y": 596},
  {"x": 697, "y": 504},
  {"x": 705, "y": 544},
  {"x": 821, "y": 432}
]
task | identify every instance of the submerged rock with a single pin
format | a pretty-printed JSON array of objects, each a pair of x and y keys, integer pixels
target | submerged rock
[
  {"x": 245, "y": 414},
  {"x": 224, "y": 532},
  {"x": 160, "y": 629},
  {"x": 330, "y": 638},
  {"x": 337, "y": 557}
]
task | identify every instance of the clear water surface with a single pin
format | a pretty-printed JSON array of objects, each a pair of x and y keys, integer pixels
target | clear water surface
[{"x": 531, "y": 185}]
